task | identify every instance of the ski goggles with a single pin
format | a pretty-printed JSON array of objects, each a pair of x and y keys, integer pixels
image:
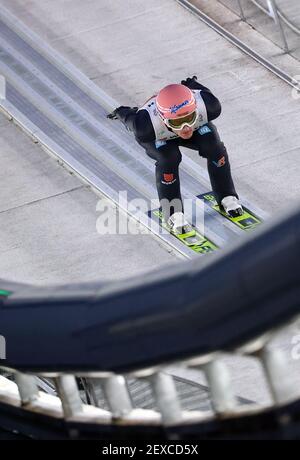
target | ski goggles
[{"x": 177, "y": 124}]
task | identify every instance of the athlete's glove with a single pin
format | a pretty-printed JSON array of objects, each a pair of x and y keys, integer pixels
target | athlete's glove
[
  {"x": 191, "y": 82},
  {"x": 119, "y": 112},
  {"x": 112, "y": 115}
]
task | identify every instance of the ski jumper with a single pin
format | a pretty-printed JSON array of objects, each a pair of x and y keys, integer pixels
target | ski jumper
[{"x": 162, "y": 145}]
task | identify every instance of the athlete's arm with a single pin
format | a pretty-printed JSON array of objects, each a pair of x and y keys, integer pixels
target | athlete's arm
[
  {"x": 138, "y": 122},
  {"x": 213, "y": 105}
]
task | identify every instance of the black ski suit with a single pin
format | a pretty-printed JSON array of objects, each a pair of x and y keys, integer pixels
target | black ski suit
[{"x": 205, "y": 140}]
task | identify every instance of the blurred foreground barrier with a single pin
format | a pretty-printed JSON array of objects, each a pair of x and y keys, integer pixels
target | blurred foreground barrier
[{"x": 190, "y": 316}]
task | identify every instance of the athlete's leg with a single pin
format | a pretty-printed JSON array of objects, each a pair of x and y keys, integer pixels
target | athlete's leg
[
  {"x": 207, "y": 141},
  {"x": 168, "y": 157}
]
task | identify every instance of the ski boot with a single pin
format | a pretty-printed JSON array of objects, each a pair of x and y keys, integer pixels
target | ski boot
[
  {"x": 182, "y": 229},
  {"x": 178, "y": 224},
  {"x": 231, "y": 206}
]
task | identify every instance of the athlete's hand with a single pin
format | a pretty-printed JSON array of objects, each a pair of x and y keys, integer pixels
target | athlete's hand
[
  {"x": 117, "y": 113},
  {"x": 112, "y": 115},
  {"x": 190, "y": 82}
]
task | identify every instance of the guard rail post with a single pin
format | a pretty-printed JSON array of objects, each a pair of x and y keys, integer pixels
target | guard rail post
[
  {"x": 274, "y": 13},
  {"x": 243, "y": 17}
]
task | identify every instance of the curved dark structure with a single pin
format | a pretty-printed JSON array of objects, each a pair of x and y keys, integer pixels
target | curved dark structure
[{"x": 189, "y": 311}]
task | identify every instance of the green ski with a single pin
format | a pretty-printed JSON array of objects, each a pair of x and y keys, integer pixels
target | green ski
[
  {"x": 247, "y": 221},
  {"x": 193, "y": 239}
]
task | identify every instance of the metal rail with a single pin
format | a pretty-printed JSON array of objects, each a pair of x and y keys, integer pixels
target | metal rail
[
  {"x": 274, "y": 12},
  {"x": 289, "y": 23},
  {"x": 114, "y": 404},
  {"x": 239, "y": 44},
  {"x": 274, "y": 7}
]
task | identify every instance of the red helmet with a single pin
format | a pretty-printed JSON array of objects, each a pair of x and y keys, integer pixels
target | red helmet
[{"x": 177, "y": 106}]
